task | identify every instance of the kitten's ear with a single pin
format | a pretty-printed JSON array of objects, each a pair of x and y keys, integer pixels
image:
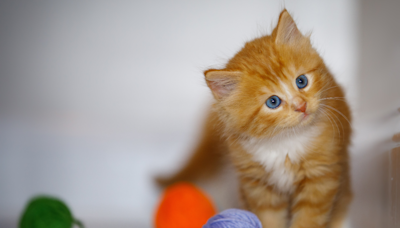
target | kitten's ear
[
  {"x": 222, "y": 82},
  {"x": 286, "y": 32}
]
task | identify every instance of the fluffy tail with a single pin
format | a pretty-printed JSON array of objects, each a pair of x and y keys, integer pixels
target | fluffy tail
[{"x": 207, "y": 158}]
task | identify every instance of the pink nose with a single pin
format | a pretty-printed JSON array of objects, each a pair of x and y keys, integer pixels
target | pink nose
[{"x": 301, "y": 107}]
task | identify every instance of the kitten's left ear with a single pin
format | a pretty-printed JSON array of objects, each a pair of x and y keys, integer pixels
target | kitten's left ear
[
  {"x": 222, "y": 82},
  {"x": 286, "y": 32}
]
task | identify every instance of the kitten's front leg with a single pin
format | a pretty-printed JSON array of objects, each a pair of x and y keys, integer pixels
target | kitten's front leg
[
  {"x": 270, "y": 206},
  {"x": 313, "y": 201}
]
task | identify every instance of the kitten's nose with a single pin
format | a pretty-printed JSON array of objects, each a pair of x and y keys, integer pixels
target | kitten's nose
[
  {"x": 301, "y": 108},
  {"x": 299, "y": 104}
]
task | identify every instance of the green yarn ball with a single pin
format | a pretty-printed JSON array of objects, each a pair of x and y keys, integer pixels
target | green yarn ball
[{"x": 47, "y": 212}]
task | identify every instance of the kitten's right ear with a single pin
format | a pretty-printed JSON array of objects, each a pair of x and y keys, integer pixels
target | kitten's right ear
[
  {"x": 286, "y": 32},
  {"x": 222, "y": 82}
]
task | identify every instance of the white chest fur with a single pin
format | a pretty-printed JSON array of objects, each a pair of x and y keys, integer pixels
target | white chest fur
[{"x": 271, "y": 153}]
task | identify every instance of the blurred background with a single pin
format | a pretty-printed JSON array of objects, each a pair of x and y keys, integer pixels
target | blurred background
[{"x": 98, "y": 97}]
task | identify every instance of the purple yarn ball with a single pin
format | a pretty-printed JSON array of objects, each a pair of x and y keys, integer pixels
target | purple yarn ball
[{"x": 234, "y": 218}]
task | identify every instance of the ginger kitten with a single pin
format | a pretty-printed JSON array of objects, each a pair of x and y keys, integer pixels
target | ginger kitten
[{"x": 285, "y": 126}]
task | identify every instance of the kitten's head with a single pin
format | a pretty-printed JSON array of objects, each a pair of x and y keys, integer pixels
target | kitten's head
[{"x": 273, "y": 84}]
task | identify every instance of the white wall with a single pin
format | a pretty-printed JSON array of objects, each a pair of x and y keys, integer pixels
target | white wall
[{"x": 96, "y": 97}]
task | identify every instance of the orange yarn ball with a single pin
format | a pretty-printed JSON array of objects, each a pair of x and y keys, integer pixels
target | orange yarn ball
[{"x": 183, "y": 206}]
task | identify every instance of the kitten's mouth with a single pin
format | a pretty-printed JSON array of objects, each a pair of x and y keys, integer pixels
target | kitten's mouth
[{"x": 305, "y": 116}]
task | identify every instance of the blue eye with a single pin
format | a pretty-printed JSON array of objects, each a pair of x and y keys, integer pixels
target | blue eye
[
  {"x": 273, "y": 102},
  {"x": 301, "y": 81}
]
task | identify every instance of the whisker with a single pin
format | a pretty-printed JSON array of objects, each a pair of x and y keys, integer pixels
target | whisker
[
  {"x": 329, "y": 118},
  {"x": 338, "y": 119},
  {"x": 328, "y": 106},
  {"x": 326, "y": 85},
  {"x": 327, "y": 89},
  {"x": 333, "y": 98}
]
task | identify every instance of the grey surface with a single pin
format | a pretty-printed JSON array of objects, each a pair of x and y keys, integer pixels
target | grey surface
[
  {"x": 376, "y": 116},
  {"x": 8, "y": 224}
]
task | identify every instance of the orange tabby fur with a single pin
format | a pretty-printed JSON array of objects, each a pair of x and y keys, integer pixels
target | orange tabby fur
[{"x": 308, "y": 184}]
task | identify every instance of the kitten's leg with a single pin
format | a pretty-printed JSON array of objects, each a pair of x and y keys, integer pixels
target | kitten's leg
[
  {"x": 269, "y": 206},
  {"x": 340, "y": 211},
  {"x": 313, "y": 201},
  {"x": 273, "y": 217}
]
